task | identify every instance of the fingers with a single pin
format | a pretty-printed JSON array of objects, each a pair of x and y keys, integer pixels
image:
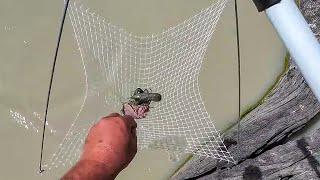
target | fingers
[
  {"x": 126, "y": 119},
  {"x": 133, "y": 146},
  {"x": 131, "y": 124},
  {"x": 113, "y": 115},
  {"x": 130, "y": 121},
  {"x": 116, "y": 131},
  {"x": 107, "y": 118}
]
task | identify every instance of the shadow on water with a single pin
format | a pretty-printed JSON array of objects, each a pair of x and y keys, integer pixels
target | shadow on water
[
  {"x": 252, "y": 173},
  {"x": 303, "y": 145}
]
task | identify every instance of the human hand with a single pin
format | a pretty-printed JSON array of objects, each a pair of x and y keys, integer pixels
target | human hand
[{"x": 111, "y": 142}]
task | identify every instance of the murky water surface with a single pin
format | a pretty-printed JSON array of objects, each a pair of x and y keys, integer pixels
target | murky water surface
[{"x": 28, "y": 31}]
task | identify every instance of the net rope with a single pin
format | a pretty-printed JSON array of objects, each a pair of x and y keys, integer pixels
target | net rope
[{"x": 117, "y": 62}]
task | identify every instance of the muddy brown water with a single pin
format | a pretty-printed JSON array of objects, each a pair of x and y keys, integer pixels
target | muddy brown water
[{"x": 28, "y": 31}]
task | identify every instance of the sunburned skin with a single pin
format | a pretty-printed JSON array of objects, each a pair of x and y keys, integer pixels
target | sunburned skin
[{"x": 110, "y": 146}]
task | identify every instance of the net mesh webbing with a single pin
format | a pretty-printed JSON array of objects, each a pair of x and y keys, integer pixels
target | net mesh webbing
[{"x": 117, "y": 62}]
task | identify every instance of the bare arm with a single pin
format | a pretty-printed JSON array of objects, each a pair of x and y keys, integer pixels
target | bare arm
[
  {"x": 89, "y": 170},
  {"x": 110, "y": 146}
]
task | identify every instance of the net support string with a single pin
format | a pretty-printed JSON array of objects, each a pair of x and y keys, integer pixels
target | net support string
[
  {"x": 66, "y": 5},
  {"x": 239, "y": 69}
]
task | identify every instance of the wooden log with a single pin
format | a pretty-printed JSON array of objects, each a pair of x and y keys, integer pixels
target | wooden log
[
  {"x": 295, "y": 159},
  {"x": 264, "y": 131}
]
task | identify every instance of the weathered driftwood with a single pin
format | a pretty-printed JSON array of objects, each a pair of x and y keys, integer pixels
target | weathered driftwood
[
  {"x": 295, "y": 159},
  {"x": 262, "y": 151}
]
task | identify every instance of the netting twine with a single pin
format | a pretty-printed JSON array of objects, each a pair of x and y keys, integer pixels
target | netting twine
[{"x": 117, "y": 62}]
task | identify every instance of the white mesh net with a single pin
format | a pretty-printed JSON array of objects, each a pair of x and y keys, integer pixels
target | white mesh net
[{"x": 117, "y": 62}]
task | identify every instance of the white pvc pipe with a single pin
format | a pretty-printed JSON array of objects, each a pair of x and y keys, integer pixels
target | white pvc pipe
[{"x": 299, "y": 40}]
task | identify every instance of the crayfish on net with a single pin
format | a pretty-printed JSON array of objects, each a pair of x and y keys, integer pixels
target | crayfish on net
[{"x": 139, "y": 103}]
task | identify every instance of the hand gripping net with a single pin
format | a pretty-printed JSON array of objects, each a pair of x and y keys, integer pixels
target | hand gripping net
[{"x": 116, "y": 63}]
